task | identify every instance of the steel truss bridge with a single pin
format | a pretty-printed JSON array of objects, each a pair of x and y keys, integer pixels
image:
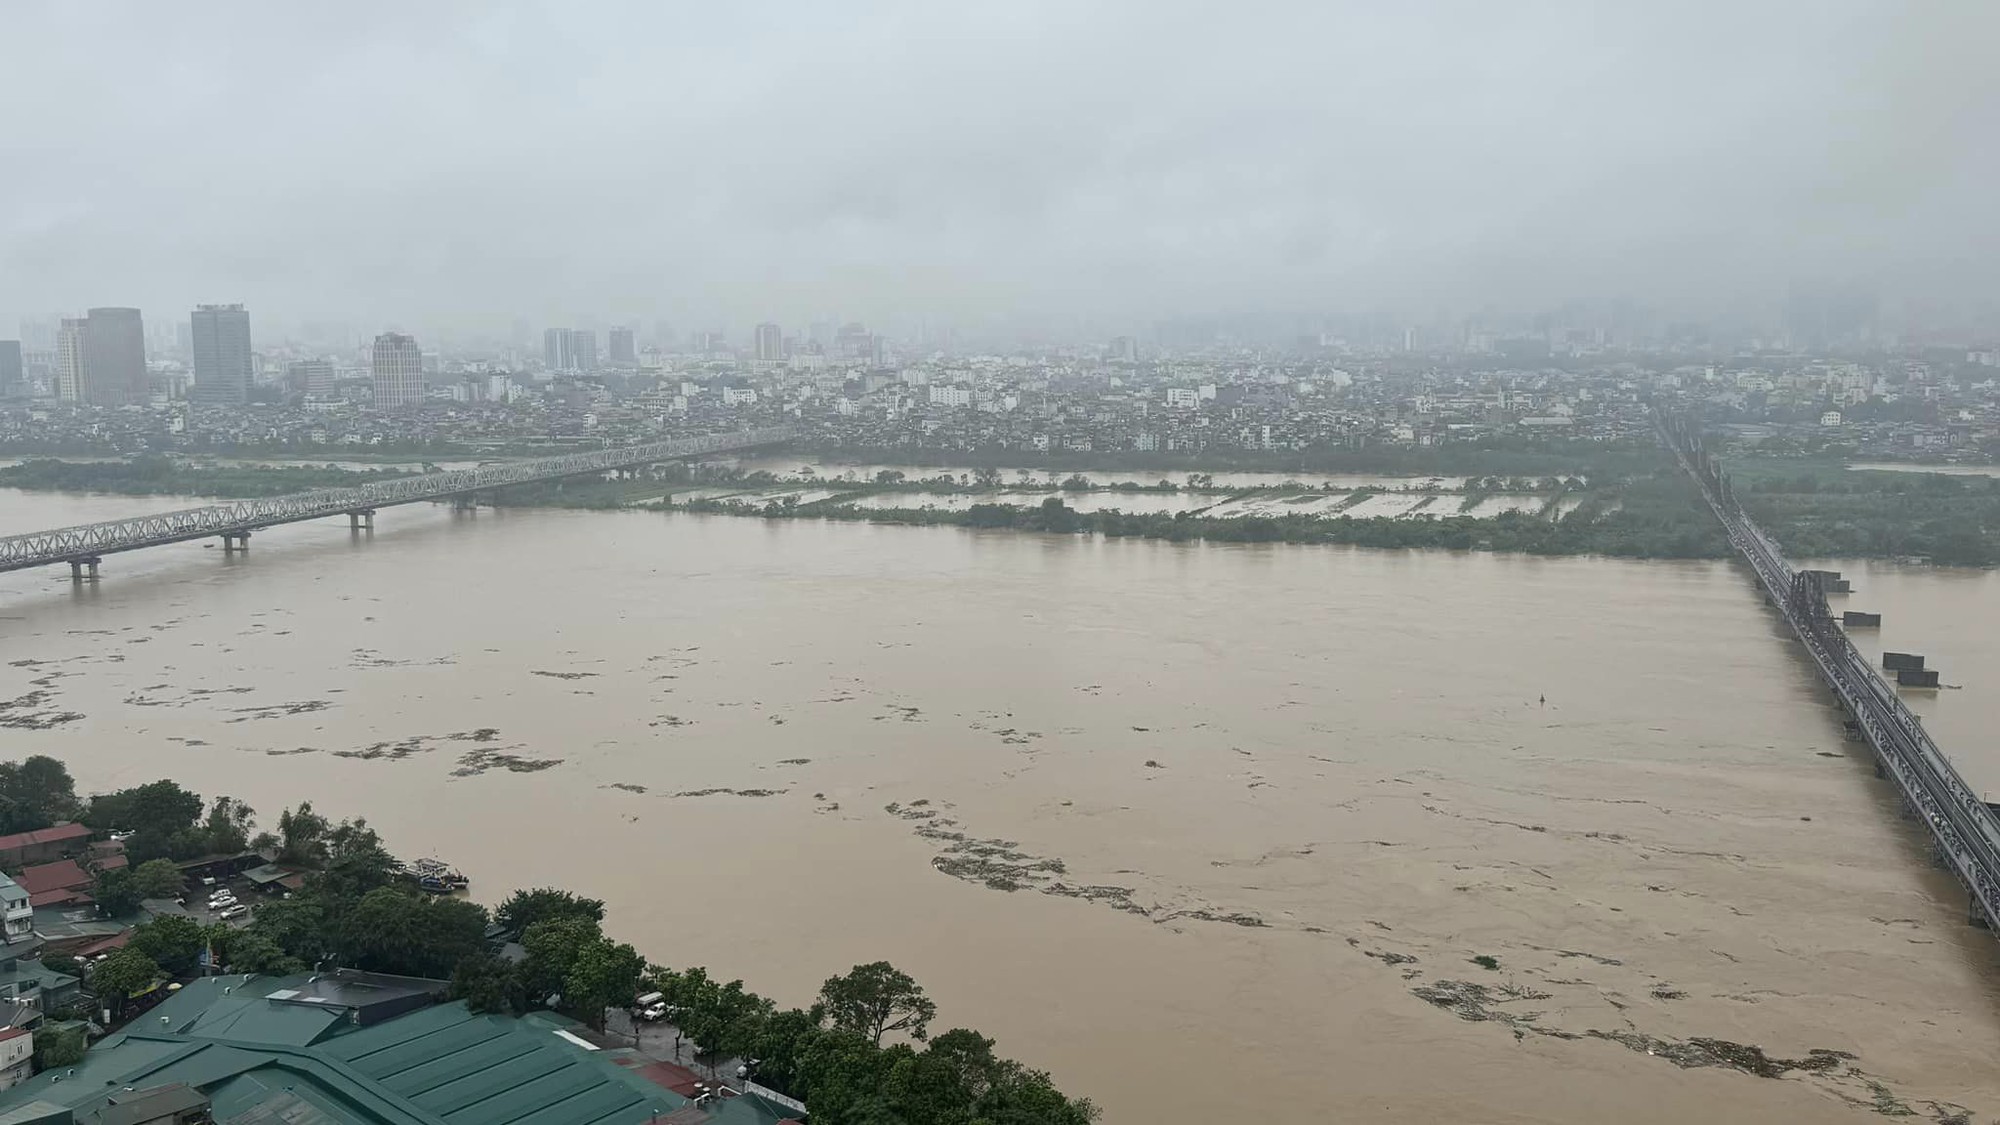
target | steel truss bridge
[
  {"x": 84, "y": 545},
  {"x": 1964, "y": 828}
]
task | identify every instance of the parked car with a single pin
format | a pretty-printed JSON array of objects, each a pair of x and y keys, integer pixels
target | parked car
[
  {"x": 235, "y": 911},
  {"x": 221, "y": 901}
]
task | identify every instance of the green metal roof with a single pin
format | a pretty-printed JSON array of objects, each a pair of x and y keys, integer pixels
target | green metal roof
[
  {"x": 489, "y": 1070},
  {"x": 265, "y": 1060}
]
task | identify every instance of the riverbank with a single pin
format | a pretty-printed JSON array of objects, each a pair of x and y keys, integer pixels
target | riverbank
[{"x": 1626, "y": 502}]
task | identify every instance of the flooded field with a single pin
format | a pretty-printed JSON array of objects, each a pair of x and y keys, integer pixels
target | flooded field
[
  {"x": 1372, "y": 836},
  {"x": 792, "y": 466}
]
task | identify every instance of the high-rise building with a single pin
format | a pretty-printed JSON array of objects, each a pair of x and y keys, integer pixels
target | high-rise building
[
  {"x": 398, "y": 367},
  {"x": 312, "y": 378},
  {"x": 622, "y": 351},
  {"x": 71, "y": 360},
  {"x": 583, "y": 349},
  {"x": 114, "y": 358},
  {"x": 769, "y": 342},
  {"x": 555, "y": 350},
  {"x": 13, "y": 377},
  {"x": 220, "y": 338}
]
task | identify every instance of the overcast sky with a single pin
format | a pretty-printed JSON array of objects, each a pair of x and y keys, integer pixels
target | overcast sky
[{"x": 457, "y": 165}]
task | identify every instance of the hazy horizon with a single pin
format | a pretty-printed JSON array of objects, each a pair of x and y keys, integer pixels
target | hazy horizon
[{"x": 450, "y": 167}]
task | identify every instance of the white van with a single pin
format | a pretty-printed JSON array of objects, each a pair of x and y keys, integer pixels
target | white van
[{"x": 651, "y": 1006}]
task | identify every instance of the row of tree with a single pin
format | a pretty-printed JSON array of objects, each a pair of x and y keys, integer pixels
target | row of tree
[{"x": 355, "y": 910}]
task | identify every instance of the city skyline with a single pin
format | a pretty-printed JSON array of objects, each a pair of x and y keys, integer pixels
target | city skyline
[{"x": 1161, "y": 164}]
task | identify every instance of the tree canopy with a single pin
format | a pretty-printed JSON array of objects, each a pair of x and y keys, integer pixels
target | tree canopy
[
  {"x": 35, "y": 792},
  {"x": 875, "y": 999},
  {"x": 525, "y": 908}
]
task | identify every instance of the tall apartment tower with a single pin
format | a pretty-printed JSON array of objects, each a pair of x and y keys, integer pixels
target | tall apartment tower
[
  {"x": 398, "y": 366},
  {"x": 769, "y": 342},
  {"x": 622, "y": 352},
  {"x": 555, "y": 350},
  {"x": 72, "y": 363},
  {"x": 583, "y": 349},
  {"x": 114, "y": 358},
  {"x": 220, "y": 339},
  {"x": 13, "y": 377}
]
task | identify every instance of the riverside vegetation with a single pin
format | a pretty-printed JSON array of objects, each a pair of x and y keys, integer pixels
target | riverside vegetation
[
  {"x": 354, "y": 911},
  {"x": 1624, "y": 500}
]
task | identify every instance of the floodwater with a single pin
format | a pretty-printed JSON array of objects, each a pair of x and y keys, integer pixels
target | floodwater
[
  {"x": 792, "y": 466},
  {"x": 1292, "y": 791},
  {"x": 1947, "y": 470}
]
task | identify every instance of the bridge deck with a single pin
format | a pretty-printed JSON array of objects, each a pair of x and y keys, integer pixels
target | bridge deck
[
  {"x": 1964, "y": 827},
  {"x": 88, "y": 541}
]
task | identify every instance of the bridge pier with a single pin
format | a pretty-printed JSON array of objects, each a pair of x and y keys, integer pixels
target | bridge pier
[
  {"x": 80, "y": 569},
  {"x": 1974, "y": 915},
  {"x": 361, "y": 520},
  {"x": 235, "y": 541}
]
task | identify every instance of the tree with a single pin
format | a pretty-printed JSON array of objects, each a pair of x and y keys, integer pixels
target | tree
[
  {"x": 525, "y": 908},
  {"x": 877, "y": 998},
  {"x": 605, "y": 974},
  {"x": 59, "y": 1046},
  {"x": 35, "y": 792},
  {"x": 302, "y": 836},
  {"x": 395, "y": 930},
  {"x": 253, "y": 951},
  {"x": 123, "y": 973},
  {"x": 571, "y": 957},
  {"x": 117, "y": 892},
  {"x": 489, "y": 984},
  {"x": 159, "y": 878},
  {"x": 173, "y": 941},
  {"x": 227, "y": 829},
  {"x": 296, "y": 926},
  {"x": 355, "y": 862},
  {"x": 159, "y": 814}
]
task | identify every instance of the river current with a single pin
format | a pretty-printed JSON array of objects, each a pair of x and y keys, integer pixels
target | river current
[{"x": 1205, "y": 830}]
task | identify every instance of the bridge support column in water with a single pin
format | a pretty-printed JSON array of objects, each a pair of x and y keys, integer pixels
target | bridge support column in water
[
  {"x": 235, "y": 541},
  {"x": 80, "y": 569},
  {"x": 361, "y": 520}
]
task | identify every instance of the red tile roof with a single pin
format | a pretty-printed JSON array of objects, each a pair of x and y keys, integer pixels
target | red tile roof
[
  {"x": 50, "y": 876},
  {"x": 10, "y": 1032},
  {"x": 61, "y": 833},
  {"x": 60, "y": 896}
]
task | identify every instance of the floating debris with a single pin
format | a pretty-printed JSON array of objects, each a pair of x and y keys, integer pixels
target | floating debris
[
  {"x": 472, "y": 763},
  {"x": 561, "y": 675},
  {"x": 732, "y": 792}
]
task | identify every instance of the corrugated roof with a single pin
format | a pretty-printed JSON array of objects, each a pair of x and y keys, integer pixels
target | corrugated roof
[
  {"x": 52, "y": 876},
  {"x": 58, "y": 834},
  {"x": 487, "y": 1070}
]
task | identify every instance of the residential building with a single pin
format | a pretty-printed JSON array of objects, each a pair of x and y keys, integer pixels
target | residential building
[
  {"x": 72, "y": 362},
  {"x": 1183, "y": 397},
  {"x": 13, "y": 376},
  {"x": 17, "y": 915},
  {"x": 398, "y": 369},
  {"x": 738, "y": 396},
  {"x": 114, "y": 358},
  {"x": 623, "y": 354},
  {"x": 312, "y": 378},
  {"x": 769, "y": 343},
  {"x": 555, "y": 350},
  {"x": 947, "y": 395},
  {"x": 583, "y": 348},
  {"x": 220, "y": 339},
  {"x": 17, "y": 1056}
]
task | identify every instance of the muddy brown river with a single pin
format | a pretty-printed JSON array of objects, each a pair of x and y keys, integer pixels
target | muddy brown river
[{"x": 1210, "y": 832}]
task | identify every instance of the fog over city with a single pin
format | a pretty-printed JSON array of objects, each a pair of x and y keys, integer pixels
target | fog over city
[{"x": 440, "y": 166}]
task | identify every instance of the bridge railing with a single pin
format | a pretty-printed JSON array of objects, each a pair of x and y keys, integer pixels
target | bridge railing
[
  {"x": 1965, "y": 827},
  {"x": 40, "y": 547}
]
